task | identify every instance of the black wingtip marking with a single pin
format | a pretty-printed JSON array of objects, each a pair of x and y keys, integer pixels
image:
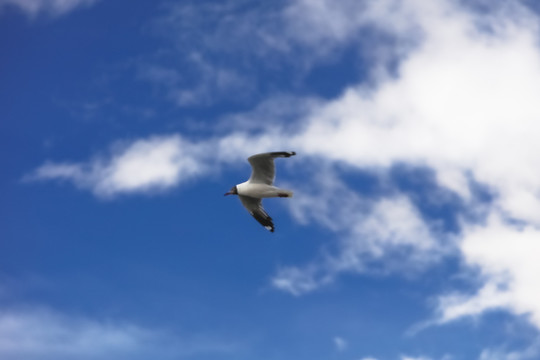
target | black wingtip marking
[
  {"x": 265, "y": 221},
  {"x": 283, "y": 153}
]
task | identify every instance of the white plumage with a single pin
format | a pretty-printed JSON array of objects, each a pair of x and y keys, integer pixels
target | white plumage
[{"x": 261, "y": 185}]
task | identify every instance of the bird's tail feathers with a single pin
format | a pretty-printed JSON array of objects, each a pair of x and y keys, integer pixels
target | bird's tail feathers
[{"x": 285, "y": 193}]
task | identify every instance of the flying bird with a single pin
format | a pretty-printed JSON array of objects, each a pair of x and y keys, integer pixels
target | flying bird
[{"x": 261, "y": 185}]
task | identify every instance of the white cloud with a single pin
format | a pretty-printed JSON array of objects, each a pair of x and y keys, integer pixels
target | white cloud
[
  {"x": 405, "y": 357},
  {"x": 43, "y": 333},
  {"x": 340, "y": 343},
  {"x": 507, "y": 259},
  {"x": 32, "y": 334},
  {"x": 202, "y": 84},
  {"x": 322, "y": 25},
  {"x": 298, "y": 281},
  {"x": 531, "y": 352},
  {"x": 200, "y": 34},
  {"x": 386, "y": 234},
  {"x": 51, "y": 7},
  {"x": 462, "y": 103},
  {"x": 143, "y": 165},
  {"x": 295, "y": 35}
]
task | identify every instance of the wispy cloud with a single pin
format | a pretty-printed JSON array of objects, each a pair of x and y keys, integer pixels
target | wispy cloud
[
  {"x": 143, "y": 165},
  {"x": 507, "y": 259},
  {"x": 49, "y": 7},
  {"x": 461, "y": 103},
  {"x": 437, "y": 102},
  {"x": 32, "y": 334},
  {"x": 376, "y": 235},
  {"x": 203, "y": 84},
  {"x": 404, "y": 357},
  {"x": 212, "y": 41},
  {"x": 208, "y": 58},
  {"x": 340, "y": 343},
  {"x": 531, "y": 352}
]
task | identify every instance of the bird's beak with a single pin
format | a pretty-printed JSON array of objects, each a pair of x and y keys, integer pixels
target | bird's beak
[{"x": 228, "y": 193}]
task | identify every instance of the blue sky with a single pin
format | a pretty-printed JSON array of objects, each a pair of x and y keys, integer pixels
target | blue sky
[{"x": 414, "y": 231}]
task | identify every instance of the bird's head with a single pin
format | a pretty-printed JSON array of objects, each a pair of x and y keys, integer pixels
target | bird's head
[{"x": 233, "y": 191}]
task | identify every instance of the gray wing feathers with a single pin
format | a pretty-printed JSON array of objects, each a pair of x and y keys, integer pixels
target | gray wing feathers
[
  {"x": 254, "y": 206},
  {"x": 263, "y": 168}
]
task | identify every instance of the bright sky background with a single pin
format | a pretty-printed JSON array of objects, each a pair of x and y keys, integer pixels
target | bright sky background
[{"x": 414, "y": 232}]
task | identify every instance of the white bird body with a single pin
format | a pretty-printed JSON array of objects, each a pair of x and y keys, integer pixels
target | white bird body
[
  {"x": 261, "y": 185},
  {"x": 261, "y": 190}
]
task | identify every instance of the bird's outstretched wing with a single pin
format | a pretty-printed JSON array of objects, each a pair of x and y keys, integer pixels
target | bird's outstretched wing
[
  {"x": 263, "y": 170},
  {"x": 254, "y": 206}
]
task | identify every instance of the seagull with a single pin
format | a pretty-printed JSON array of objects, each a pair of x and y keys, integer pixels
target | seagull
[{"x": 261, "y": 185}]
